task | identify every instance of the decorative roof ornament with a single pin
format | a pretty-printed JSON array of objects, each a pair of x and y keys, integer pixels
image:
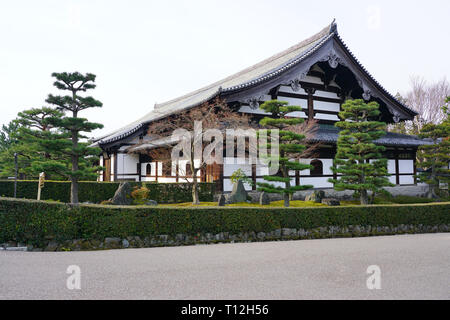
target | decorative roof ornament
[
  {"x": 367, "y": 95},
  {"x": 396, "y": 116},
  {"x": 254, "y": 102},
  {"x": 333, "y": 59},
  {"x": 333, "y": 26},
  {"x": 295, "y": 85}
]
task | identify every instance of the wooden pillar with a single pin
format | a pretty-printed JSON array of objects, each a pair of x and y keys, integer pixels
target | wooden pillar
[
  {"x": 139, "y": 169},
  {"x": 156, "y": 171},
  {"x": 415, "y": 170},
  {"x": 397, "y": 168},
  {"x": 177, "y": 172},
  {"x": 115, "y": 166},
  {"x": 297, "y": 177},
  {"x": 310, "y": 92},
  {"x": 254, "y": 176}
]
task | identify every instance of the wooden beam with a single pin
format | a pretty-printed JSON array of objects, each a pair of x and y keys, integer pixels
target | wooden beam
[
  {"x": 254, "y": 176},
  {"x": 305, "y": 96},
  {"x": 397, "y": 168},
  {"x": 115, "y": 166}
]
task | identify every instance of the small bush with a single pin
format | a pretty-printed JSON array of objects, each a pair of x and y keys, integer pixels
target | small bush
[{"x": 140, "y": 195}]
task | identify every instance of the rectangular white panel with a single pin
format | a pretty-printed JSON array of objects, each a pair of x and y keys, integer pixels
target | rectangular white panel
[
  {"x": 406, "y": 166},
  {"x": 407, "y": 179},
  {"x": 326, "y": 94},
  {"x": 326, "y": 106},
  {"x": 391, "y": 166}
]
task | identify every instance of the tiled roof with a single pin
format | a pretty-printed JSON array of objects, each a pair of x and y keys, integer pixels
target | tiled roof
[
  {"x": 329, "y": 134},
  {"x": 249, "y": 76},
  {"x": 258, "y": 73}
]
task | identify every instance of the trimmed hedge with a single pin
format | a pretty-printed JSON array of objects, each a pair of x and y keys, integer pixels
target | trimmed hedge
[
  {"x": 36, "y": 221},
  {"x": 96, "y": 192}
]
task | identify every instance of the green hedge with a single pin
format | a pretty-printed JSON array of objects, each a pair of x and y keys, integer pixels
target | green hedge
[
  {"x": 36, "y": 221},
  {"x": 96, "y": 192}
]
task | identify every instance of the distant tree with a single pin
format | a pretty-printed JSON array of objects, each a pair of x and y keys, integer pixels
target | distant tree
[
  {"x": 194, "y": 122},
  {"x": 290, "y": 148},
  {"x": 68, "y": 143},
  {"x": 425, "y": 98},
  {"x": 435, "y": 156},
  {"x": 7, "y": 132},
  {"x": 358, "y": 159}
]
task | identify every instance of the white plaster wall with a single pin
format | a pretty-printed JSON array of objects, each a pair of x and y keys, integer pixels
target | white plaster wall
[
  {"x": 167, "y": 180},
  {"x": 391, "y": 166},
  {"x": 317, "y": 182},
  {"x": 126, "y": 163},
  {"x": 407, "y": 179},
  {"x": 231, "y": 165},
  {"x": 326, "y": 94},
  {"x": 326, "y": 106},
  {"x": 128, "y": 177},
  {"x": 406, "y": 166},
  {"x": 322, "y": 116},
  {"x": 152, "y": 168},
  {"x": 392, "y": 179},
  {"x": 100, "y": 174}
]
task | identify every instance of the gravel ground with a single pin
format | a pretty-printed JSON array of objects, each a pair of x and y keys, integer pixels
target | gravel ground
[{"x": 412, "y": 267}]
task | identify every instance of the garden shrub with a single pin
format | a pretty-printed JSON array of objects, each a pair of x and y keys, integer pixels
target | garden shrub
[
  {"x": 35, "y": 221},
  {"x": 96, "y": 192}
]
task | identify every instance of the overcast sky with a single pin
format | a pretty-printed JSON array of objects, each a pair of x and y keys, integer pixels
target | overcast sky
[{"x": 152, "y": 51}]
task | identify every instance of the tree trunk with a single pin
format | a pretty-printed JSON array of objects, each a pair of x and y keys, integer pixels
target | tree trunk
[
  {"x": 195, "y": 198},
  {"x": 364, "y": 197},
  {"x": 74, "y": 178},
  {"x": 432, "y": 186},
  {"x": 286, "y": 200},
  {"x": 287, "y": 196}
]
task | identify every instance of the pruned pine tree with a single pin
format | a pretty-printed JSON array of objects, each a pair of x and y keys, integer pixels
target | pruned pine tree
[
  {"x": 435, "y": 156},
  {"x": 68, "y": 143},
  {"x": 358, "y": 160},
  {"x": 289, "y": 146}
]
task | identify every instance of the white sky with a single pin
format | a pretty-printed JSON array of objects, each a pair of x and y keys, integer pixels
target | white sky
[{"x": 152, "y": 51}]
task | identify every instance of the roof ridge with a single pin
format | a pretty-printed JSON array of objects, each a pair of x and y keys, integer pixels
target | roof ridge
[{"x": 322, "y": 33}]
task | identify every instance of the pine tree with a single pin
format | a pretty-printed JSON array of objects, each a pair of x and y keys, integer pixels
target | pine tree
[
  {"x": 67, "y": 144},
  {"x": 358, "y": 159},
  {"x": 436, "y": 156},
  {"x": 32, "y": 128},
  {"x": 289, "y": 148}
]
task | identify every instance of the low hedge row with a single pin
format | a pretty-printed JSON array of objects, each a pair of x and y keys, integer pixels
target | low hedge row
[
  {"x": 34, "y": 222},
  {"x": 96, "y": 192}
]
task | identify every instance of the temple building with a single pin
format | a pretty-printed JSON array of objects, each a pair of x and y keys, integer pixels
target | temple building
[{"x": 318, "y": 74}]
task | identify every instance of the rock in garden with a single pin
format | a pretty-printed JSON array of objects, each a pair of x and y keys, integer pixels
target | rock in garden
[
  {"x": 151, "y": 203},
  {"x": 123, "y": 194},
  {"x": 264, "y": 199},
  {"x": 238, "y": 194},
  {"x": 221, "y": 202},
  {"x": 316, "y": 196},
  {"x": 331, "y": 202},
  {"x": 52, "y": 246},
  {"x": 113, "y": 243}
]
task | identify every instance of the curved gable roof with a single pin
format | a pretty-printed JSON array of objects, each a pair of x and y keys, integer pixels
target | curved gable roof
[{"x": 258, "y": 73}]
